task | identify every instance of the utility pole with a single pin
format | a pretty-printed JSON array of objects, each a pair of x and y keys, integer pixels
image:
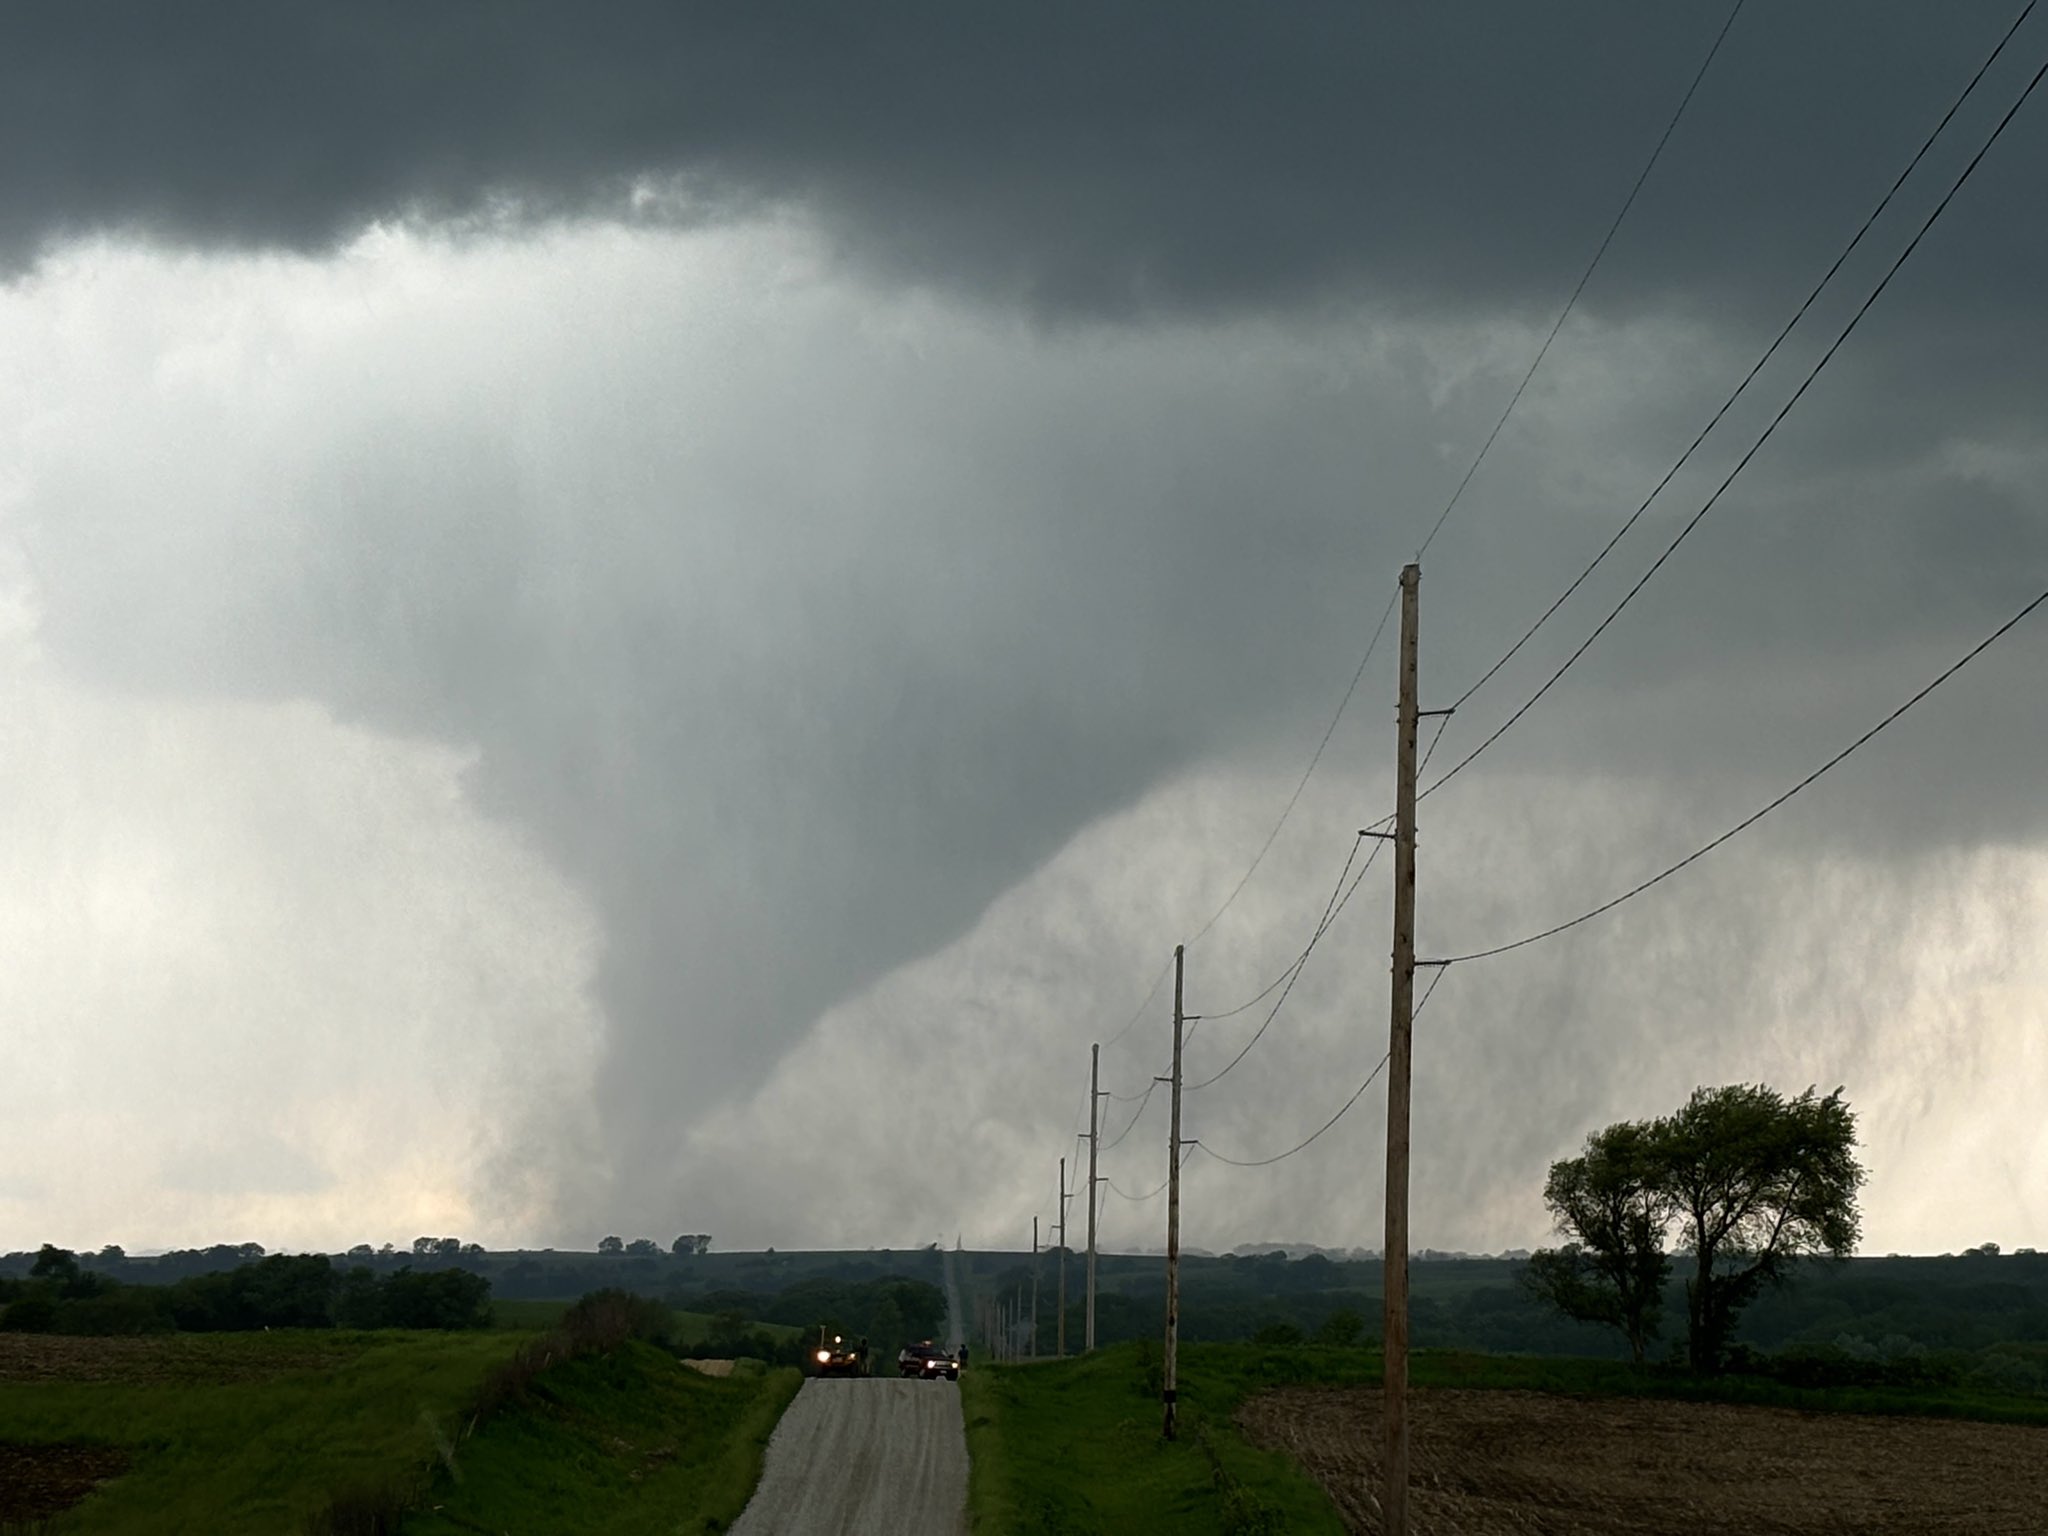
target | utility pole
[
  {"x": 1170, "y": 1380},
  {"x": 1094, "y": 1136},
  {"x": 1034, "y": 1287},
  {"x": 1063, "y": 1260},
  {"x": 1394, "y": 1332}
]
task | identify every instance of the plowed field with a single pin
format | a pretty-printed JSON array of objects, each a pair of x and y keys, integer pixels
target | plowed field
[
  {"x": 38, "y": 1481},
  {"x": 168, "y": 1359},
  {"x": 1533, "y": 1464}
]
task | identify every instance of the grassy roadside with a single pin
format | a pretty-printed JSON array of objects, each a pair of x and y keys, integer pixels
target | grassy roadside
[
  {"x": 1074, "y": 1446},
  {"x": 582, "y": 1430},
  {"x": 625, "y": 1442}
]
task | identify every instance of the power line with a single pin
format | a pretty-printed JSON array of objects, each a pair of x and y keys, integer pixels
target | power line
[
  {"x": 1135, "y": 1199},
  {"x": 1136, "y": 1115},
  {"x": 1140, "y": 1012},
  {"x": 1584, "y": 277},
  {"x": 1758, "y": 367},
  {"x": 1742, "y": 464},
  {"x": 1330, "y": 915},
  {"x": 1293, "y": 975},
  {"x": 1322, "y": 926},
  {"x": 1314, "y": 758},
  {"x": 1264, "y": 1162},
  {"x": 1754, "y": 817}
]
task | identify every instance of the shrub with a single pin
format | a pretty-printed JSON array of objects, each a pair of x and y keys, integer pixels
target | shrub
[{"x": 606, "y": 1319}]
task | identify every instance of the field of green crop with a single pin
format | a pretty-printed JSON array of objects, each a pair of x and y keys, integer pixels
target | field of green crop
[
  {"x": 219, "y": 1434},
  {"x": 228, "y": 1433}
]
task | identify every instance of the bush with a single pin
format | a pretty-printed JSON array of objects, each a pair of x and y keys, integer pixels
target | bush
[
  {"x": 442, "y": 1298},
  {"x": 373, "y": 1509},
  {"x": 33, "y": 1311},
  {"x": 1832, "y": 1366},
  {"x": 1342, "y": 1329},
  {"x": 605, "y": 1319}
]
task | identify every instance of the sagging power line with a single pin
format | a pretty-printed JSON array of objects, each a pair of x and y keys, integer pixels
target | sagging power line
[
  {"x": 1758, "y": 366},
  {"x": 1743, "y": 463},
  {"x": 1584, "y": 277},
  {"x": 1758, "y": 815}
]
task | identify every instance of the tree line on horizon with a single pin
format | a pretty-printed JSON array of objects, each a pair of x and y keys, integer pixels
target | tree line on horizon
[{"x": 62, "y": 1295}]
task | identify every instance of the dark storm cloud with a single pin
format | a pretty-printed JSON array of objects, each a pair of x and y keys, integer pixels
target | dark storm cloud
[
  {"x": 1076, "y": 158},
  {"x": 796, "y": 675}
]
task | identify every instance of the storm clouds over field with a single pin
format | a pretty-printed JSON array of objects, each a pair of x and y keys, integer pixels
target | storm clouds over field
[{"x": 650, "y": 626}]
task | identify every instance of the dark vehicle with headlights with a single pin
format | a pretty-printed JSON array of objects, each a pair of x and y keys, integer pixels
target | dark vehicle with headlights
[
  {"x": 927, "y": 1362},
  {"x": 836, "y": 1356}
]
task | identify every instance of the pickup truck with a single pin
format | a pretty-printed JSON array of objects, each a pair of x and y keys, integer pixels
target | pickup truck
[{"x": 927, "y": 1362}]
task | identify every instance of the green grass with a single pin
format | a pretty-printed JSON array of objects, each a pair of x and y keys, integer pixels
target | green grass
[
  {"x": 528, "y": 1316},
  {"x": 692, "y": 1328},
  {"x": 621, "y": 1443},
  {"x": 253, "y": 1432},
  {"x": 1075, "y": 1446}
]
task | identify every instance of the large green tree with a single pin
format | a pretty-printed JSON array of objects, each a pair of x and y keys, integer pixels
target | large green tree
[
  {"x": 1756, "y": 1181},
  {"x": 1752, "y": 1180},
  {"x": 1611, "y": 1203}
]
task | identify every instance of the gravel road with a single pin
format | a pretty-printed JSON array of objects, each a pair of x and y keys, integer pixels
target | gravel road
[{"x": 868, "y": 1456}]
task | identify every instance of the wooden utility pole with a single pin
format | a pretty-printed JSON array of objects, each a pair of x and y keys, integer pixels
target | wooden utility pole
[
  {"x": 1169, "y": 1391},
  {"x": 1094, "y": 1136},
  {"x": 1034, "y": 1287},
  {"x": 1062, "y": 1328},
  {"x": 1394, "y": 1331}
]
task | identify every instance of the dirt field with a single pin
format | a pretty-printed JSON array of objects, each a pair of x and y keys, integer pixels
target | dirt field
[
  {"x": 1532, "y": 1464},
  {"x": 163, "y": 1358},
  {"x": 38, "y": 1481}
]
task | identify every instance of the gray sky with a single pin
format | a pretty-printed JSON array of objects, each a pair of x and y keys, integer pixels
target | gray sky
[{"x": 650, "y": 627}]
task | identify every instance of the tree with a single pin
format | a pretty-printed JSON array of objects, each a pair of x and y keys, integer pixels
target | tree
[
  {"x": 1756, "y": 1181},
  {"x": 1611, "y": 1204},
  {"x": 364, "y": 1251},
  {"x": 113, "y": 1253},
  {"x": 1343, "y": 1329},
  {"x": 643, "y": 1247},
  {"x": 691, "y": 1242},
  {"x": 611, "y": 1245},
  {"x": 422, "y": 1247},
  {"x": 54, "y": 1263}
]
